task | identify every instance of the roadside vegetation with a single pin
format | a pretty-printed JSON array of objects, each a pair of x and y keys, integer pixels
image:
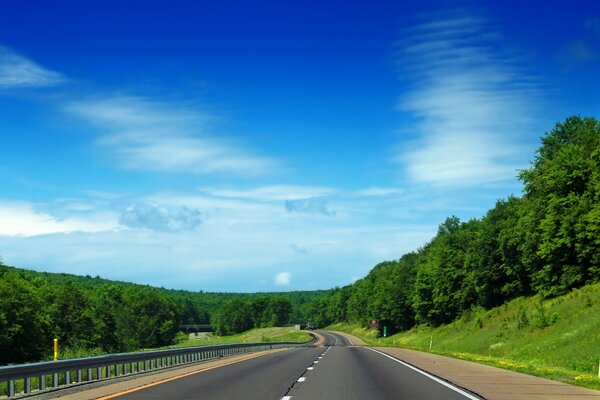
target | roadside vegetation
[
  {"x": 545, "y": 243},
  {"x": 275, "y": 334},
  {"x": 554, "y": 338},
  {"x": 93, "y": 316},
  {"x": 542, "y": 246}
]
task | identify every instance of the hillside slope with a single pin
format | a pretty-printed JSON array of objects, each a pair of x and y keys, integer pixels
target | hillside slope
[{"x": 557, "y": 338}]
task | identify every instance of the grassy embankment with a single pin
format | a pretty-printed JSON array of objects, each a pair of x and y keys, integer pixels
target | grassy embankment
[
  {"x": 279, "y": 334},
  {"x": 557, "y": 338},
  {"x": 287, "y": 334}
]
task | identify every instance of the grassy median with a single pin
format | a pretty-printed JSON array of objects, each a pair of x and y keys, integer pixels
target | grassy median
[{"x": 284, "y": 334}]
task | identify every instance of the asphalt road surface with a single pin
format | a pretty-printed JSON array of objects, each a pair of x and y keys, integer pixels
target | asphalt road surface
[{"x": 338, "y": 370}]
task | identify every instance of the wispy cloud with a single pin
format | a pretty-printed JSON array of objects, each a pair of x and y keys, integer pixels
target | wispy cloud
[
  {"x": 270, "y": 193},
  {"x": 472, "y": 102},
  {"x": 298, "y": 249},
  {"x": 157, "y": 136},
  {"x": 237, "y": 244},
  {"x": 23, "y": 219},
  {"x": 18, "y": 71},
  {"x": 312, "y": 206},
  {"x": 154, "y": 217}
]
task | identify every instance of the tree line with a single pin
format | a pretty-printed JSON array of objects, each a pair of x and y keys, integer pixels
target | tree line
[
  {"x": 239, "y": 315},
  {"x": 94, "y": 316},
  {"x": 546, "y": 242}
]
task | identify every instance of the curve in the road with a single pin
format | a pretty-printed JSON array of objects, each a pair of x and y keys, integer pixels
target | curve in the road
[
  {"x": 335, "y": 339},
  {"x": 338, "y": 370}
]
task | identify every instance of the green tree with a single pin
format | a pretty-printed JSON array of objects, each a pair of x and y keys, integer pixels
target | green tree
[
  {"x": 146, "y": 318},
  {"x": 71, "y": 316},
  {"x": 442, "y": 290},
  {"x": 235, "y": 316},
  {"x": 24, "y": 321},
  {"x": 562, "y": 189}
]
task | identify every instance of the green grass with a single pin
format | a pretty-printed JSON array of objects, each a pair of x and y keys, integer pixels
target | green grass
[
  {"x": 287, "y": 334},
  {"x": 279, "y": 334},
  {"x": 557, "y": 338}
]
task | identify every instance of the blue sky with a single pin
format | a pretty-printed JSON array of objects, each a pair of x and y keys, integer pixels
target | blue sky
[{"x": 259, "y": 146}]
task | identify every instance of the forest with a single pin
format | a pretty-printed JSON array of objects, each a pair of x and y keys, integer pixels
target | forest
[
  {"x": 546, "y": 242},
  {"x": 96, "y": 316}
]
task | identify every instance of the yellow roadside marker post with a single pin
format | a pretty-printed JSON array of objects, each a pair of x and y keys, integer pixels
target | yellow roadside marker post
[{"x": 55, "y": 349}]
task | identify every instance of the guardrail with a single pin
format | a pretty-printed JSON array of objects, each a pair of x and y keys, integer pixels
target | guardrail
[{"x": 51, "y": 375}]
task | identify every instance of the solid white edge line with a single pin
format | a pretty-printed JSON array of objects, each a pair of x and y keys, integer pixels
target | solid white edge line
[
  {"x": 286, "y": 398},
  {"x": 427, "y": 374},
  {"x": 350, "y": 340},
  {"x": 344, "y": 336}
]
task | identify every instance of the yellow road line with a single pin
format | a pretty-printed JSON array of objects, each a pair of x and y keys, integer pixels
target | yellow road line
[{"x": 148, "y": 385}]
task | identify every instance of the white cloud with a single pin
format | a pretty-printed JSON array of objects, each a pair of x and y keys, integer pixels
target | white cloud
[
  {"x": 18, "y": 71},
  {"x": 282, "y": 279},
  {"x": 472, "y": 102},
  {"x": 154, "y": 217},
  {"x": 22, "y": 219},
  {"x": 240, "y": 243},
  {"x": 157, "y": 136}
]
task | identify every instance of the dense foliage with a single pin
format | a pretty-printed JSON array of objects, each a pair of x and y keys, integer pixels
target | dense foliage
[
  {"x": 237, "y": 315},
  {"x": 546, "y": 242},
  {"x": 93, "y": 315}
]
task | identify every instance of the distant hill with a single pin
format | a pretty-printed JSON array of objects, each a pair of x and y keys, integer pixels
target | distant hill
[
  {"x": 94, "y": 315},
  {"x": 210, "y": 301}
]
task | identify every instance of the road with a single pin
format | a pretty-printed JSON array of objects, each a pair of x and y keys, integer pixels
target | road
[{"x": 338, "y": 370}]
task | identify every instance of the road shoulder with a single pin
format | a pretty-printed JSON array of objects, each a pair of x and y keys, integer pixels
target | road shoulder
[{"x": 490, "y": 382}]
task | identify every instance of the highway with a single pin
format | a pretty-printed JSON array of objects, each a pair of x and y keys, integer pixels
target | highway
[{"x": 338, "y": 370}]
